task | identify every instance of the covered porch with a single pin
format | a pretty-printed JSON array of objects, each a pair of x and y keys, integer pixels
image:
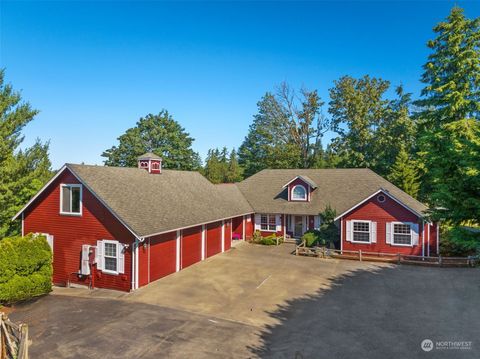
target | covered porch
[{"x": 286, "y": 225}]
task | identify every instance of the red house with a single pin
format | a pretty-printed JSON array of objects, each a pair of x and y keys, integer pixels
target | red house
[
  {"x": 122, "y": 228},
  {"x": 373, "y": 214}
]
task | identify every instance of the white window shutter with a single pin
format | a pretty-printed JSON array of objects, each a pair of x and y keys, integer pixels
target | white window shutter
[
  {"x": 257, "y": 221},
  {"x": 120, "y": 259},
  {"x": 349, "y": 231},
  {"x": 50, "y": 241},
  {"x": 316, "y": 222},
  {"x": 278, "y": 221},
  {"x": 414, "y": 229},
  {"x": 373, "y": 231},
  {"x": 85, "y": 269},
  {"x": 388, "y": 233},
  {"x": 99, "y": 259}
]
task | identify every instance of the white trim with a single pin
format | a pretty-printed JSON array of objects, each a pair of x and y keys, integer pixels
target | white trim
[
  {"x": 23, "y": 225},
  {"x": 374, "y": 194},
  {"x": 423, "y": 238},
  {"x": 88, "y": 188},
  {"x": 177, "y": 259},
  {"x": 71, "y": 185},
  {"x": 39, "y": 192},
  {"x": 244, "y": 237},
  {"x": 428, "y": 240},
  {"x": 369, "y": 231},
  {"x": 438, "y": 238},
  {"x": 304, "y": 198},
  {"x": 117, "y": 244},
  {"x": 137, "y": 243},
  {"x": 310, "y": 183},
  {"x": 132, "y": 285},
  {"x": 195, "y": 225},
  {"x": 341, "y": 235},
  {"x": 203, "y": 241},
  {"x": 284, "y": 226},
  {"x": 392, "y": 233},
  {"x": 223, "y": 236}
]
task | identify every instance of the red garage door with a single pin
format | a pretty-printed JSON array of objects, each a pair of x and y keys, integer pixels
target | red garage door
[
  {"x": 228, "y": 235},
  {"x": 191, "y": 252},
  {"x": 162, "y": 255},
  {"x": 214, "y": 238}
]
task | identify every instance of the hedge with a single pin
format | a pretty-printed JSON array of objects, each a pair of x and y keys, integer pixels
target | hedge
[
  {"x": 459, "y": 242},
  {"x": 25, "y": 268}
]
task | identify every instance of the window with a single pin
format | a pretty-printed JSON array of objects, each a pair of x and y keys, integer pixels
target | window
[
  {"x": 143, "y": 164},
  {"x": 268, "y": 222},
  {"x": 402, "y": 234},
  {"x": 110, "y": 254},
  {"x": 361, "y": 231},
  {"x": 155, "y": 166},
  {"x": 299, "y": 193},
  {"x": 71, "y": 199}
]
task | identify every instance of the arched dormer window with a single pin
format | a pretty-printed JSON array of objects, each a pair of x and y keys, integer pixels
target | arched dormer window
[{"x": 299, "y": 193}]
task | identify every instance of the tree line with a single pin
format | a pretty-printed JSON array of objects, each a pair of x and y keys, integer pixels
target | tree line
[{"x": 428, "y": 146}]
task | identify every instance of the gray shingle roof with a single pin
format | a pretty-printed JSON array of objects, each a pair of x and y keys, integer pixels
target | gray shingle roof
[
  {"x": 153, "y": 203},
  {"x": 341, "y": 188},
  {"x": 150, "y": 155}
]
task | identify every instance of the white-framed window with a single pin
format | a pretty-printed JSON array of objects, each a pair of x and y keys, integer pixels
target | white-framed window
[
  {"x": 402, "y": 234},
  {"x": 361, "y": 231},
  {"x": 71, "y": 199},
  {"x": 299, "y": 193},
  {"x": 155, "y": 165},
  {"x": 268, "y": 222},
  {"x": 110, "y": 257}
]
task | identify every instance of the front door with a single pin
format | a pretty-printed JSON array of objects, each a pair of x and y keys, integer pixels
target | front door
[{"x": 298, "y": 229}]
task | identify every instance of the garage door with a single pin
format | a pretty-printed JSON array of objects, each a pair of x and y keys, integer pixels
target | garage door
[
  {"x": 228, "y": 235},
  {"x": 214, "y": 238},
  {"x": 191, "y": 251},
  {"x": 162, "y": 255}
]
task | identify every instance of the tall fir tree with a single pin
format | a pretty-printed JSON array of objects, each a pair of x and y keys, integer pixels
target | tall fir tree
[
  {"x": 234, "y": 173},
  {"x": 22, "y": 172},
  {"x": 449, "y": 117},
  {"x": 404, "y": 173}
]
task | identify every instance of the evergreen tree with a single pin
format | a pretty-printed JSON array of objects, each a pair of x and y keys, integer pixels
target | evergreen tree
[
  {"x": 159, "y": 134},
  {"x": 234, "y": 173},
  {"x": 449, "y": 116},
  {"x": 404, "y": 173},
  {"x": 452, "y": 72},
  {"x": 213, "y": 168},
  {"x": 22, "y": 172}
]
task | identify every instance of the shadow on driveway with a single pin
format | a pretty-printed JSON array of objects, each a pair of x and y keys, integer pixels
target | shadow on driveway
[{"x": 379, "y": 314}]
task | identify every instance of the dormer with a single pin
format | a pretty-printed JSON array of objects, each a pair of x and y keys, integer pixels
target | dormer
[
  {"x": 299, "y": 189},
  {"x": 150, "y": 162}
]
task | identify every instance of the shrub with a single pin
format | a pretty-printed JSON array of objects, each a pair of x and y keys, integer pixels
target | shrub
[
  {"x": 270, "y": 240},
  {"x": 311, "y": 238},
  {"x": 459, "y": 242},
  {"x": 25, "y": 268}
]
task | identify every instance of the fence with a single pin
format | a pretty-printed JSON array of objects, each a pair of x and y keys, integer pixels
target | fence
[
  {"x": 13, "y": 339},
  {"x": 322, "y": 252}
]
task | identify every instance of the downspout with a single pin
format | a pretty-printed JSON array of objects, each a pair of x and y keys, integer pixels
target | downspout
[
  {"x": 133, "y": 265},
  {"x": 23, "y": 225},
  {"x": 438, "y": 238},
  {"x": 428, "y": 238},
  {"x": 423, "y": 238},
  {"x": 341, "y": 235}
]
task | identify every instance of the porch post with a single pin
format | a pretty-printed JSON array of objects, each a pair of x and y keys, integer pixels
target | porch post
[
  {"x": 284, "y": 226},
  {"x": 341, "y": 235}
]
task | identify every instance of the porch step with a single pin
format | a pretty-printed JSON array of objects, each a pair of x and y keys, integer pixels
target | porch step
[{"x": 291, "y": 240}]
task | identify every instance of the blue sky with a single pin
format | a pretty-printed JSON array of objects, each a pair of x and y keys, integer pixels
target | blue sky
[{"x": 94, "y": 68}]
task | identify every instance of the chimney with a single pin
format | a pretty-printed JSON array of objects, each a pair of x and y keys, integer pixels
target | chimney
[{"x": 150, "y": 162}]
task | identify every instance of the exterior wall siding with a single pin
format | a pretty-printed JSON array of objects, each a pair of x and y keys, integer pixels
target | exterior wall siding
[
  {"x": 389, "y": 211},
  {"x": 70, "y": 232}
]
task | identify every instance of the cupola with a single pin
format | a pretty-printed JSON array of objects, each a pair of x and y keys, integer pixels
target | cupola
[{"x": 150, "y": 162}]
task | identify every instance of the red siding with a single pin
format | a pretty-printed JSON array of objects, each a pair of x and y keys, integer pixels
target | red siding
[
  {"x": 162, "y": 255},
  {"x": 143, "y": 270},
  {"x": 214, "y": 238},
  {"x": 228, "y": 235},
  {"x": 389, "y": 211},
  {"x": 191, "y": 250},
  {"x": 298, "y": 181},
  {"x": 237, "y": 224},
  {"x": 70, "y": 232}
]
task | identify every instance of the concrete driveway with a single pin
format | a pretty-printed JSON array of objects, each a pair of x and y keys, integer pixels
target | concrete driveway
[{"x": 257, "y": 301}]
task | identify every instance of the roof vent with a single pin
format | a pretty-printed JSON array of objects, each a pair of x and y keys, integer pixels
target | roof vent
[{"x": 150, "y": 162}]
